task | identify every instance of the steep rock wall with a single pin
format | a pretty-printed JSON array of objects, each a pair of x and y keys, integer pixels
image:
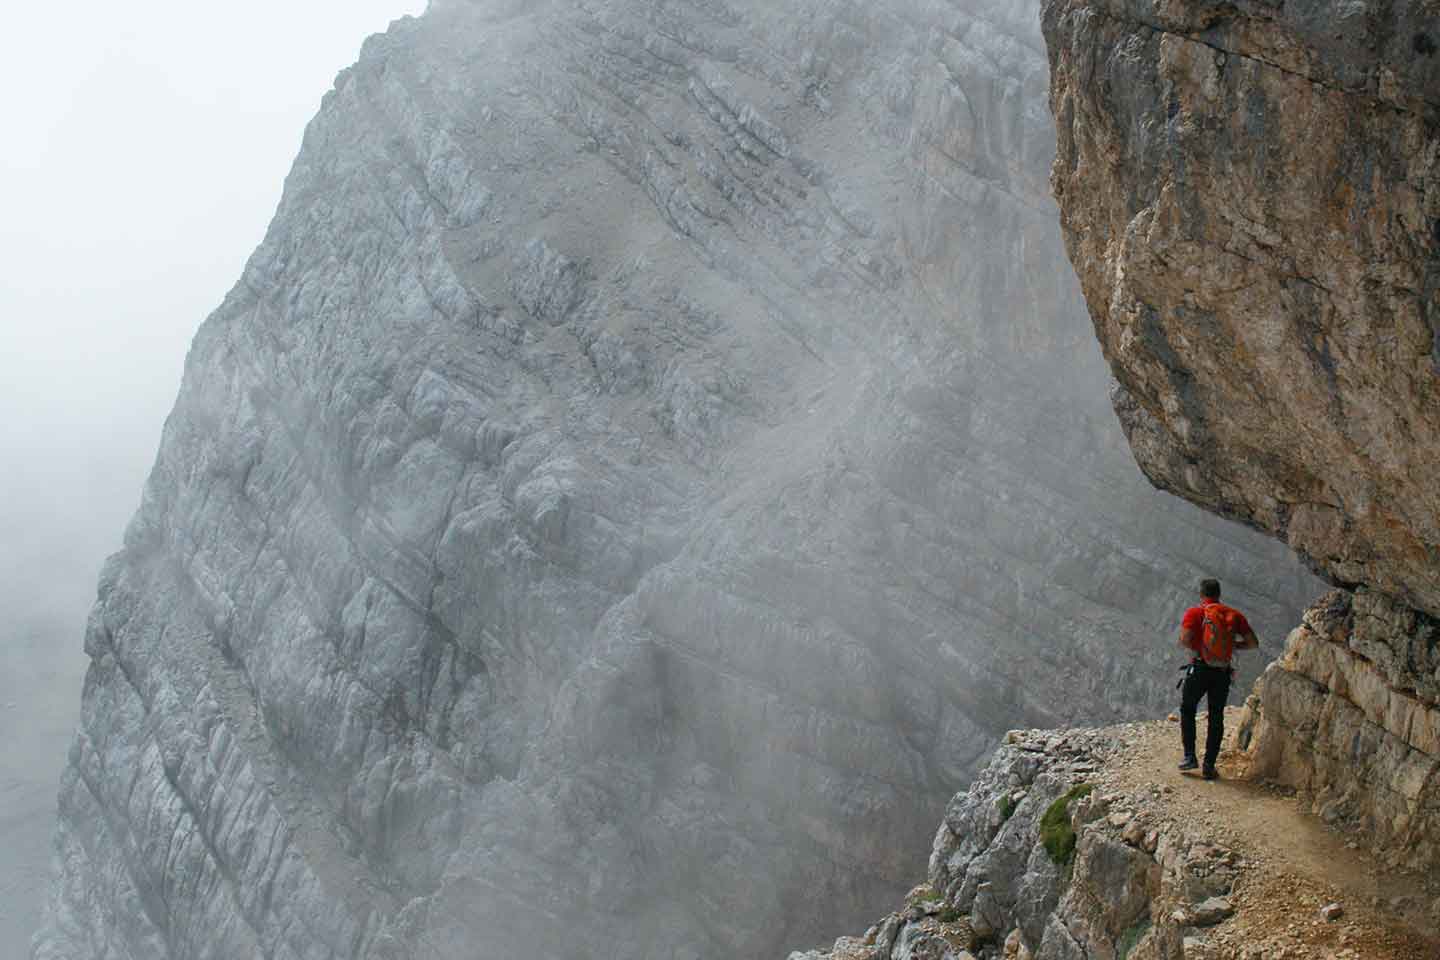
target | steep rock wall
[
  {"x": 1348, "y": 716},
  {"x": 1249, "y": 194},
  {"x": 654, "y": 453}
]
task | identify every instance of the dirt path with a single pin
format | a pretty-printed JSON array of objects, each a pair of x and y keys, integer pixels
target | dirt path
[{"x": 1291, "y": 865}]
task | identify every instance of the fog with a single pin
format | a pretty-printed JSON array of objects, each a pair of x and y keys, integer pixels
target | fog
[
  {"x": 620, "y": 407},
  {"x": 146, "y": 145}
]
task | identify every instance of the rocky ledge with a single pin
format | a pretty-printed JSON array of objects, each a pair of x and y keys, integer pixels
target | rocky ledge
[
  {"x": 1089, "y": 844},
  {"x": 1035, "y": 861}
]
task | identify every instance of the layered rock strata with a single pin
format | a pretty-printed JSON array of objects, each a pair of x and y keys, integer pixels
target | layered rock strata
[
  {"x": 653, "y": 455},
  {"x": 1249, "y": 194},
  {"x": 1348, "y": 716}
]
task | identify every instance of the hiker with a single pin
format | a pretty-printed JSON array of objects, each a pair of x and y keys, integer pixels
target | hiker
[{"x": 1211, "y": 632}]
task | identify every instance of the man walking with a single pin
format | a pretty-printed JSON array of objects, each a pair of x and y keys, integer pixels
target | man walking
[{"x": 1212, "y": 632}]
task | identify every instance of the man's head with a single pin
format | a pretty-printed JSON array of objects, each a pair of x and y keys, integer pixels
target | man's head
[{"x": 1210, "y": 589}]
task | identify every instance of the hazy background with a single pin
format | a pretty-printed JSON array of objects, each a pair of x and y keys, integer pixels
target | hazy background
[{"x": 144, "y": 151}]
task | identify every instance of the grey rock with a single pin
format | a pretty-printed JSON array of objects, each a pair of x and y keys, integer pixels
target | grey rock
[
  {"x": 1111, "y": 899},
  {"x": 929, "y": 938},
  {"x": 987, "y": 917},
  {"x": 1210, "y": 912}
]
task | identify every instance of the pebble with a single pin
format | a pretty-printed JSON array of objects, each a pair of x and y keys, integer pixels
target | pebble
[
  {"x": 1205, "y": 914},
  {"x": 1332, "y": 911}
]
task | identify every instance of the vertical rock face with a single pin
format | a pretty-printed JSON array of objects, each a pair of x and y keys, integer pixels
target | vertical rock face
[
  {"x": 653, "y": 454},
  {"x": 1348, "y": 716},
  {"x": 1249, "y": 193}
]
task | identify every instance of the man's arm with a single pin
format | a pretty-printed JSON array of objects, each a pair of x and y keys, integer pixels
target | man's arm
[
  {"x": 1190, "y": 626},
  {"x": 1248, "y": 641},
  {"x": 1189, "y": 638}
]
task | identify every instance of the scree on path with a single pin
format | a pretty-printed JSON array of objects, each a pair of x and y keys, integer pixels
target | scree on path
[{"x": 1289, "y": 864}]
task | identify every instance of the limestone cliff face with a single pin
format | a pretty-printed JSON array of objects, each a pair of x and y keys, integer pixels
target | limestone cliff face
[
  {"x": 654, "y": 454},
  {"x": 1249, "y": 194}
]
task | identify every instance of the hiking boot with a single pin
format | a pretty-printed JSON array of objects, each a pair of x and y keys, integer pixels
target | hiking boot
[
  {"x": 1210, "y": 773},
  {"x": 1189, "y": 763}
]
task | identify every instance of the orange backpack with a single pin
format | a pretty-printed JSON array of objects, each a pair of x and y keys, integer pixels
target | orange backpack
[{"x": 1217, "y": 642}]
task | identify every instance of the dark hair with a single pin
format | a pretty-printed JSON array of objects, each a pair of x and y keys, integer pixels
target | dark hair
[{"x": 1210, "y": 589}]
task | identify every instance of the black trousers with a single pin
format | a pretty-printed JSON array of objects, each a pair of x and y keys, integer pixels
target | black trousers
[{"x": 1213, "y": 684}]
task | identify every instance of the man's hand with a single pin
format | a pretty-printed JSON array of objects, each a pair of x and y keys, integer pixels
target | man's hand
[{"x": 1248, "y": 642}]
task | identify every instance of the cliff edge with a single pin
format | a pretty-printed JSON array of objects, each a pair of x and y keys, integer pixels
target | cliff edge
[
  {"x": 1088, "y": 843},
  {"x": 1248, "y": 193}
]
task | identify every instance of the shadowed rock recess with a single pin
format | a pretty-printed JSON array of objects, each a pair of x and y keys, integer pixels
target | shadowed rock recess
[
  {"x": 1250, "y": 193},
  {"x": 654, "y": 454}
]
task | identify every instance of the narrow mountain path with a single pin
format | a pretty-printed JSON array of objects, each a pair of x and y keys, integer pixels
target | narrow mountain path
[{"x": 1291, "y": 864}]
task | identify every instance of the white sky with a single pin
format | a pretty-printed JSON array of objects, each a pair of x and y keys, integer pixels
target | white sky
[{"x": 143, "y": 150}]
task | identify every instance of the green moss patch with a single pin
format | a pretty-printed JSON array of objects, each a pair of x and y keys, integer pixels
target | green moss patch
[
  {"x": 1132, "y": 937},
  {"x": 1006, "y": 806},
  {"x": 1055, "y": 830},
  {"x": 924, "y": 894}
]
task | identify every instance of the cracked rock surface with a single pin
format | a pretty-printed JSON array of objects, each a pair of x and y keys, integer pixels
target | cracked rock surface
[
  {"x": 655, "y": 453},
  {"x": 1250, "y": 198}
]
